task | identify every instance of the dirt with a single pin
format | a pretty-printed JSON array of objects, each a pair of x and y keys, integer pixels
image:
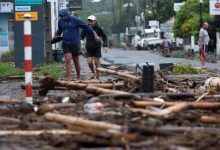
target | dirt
[{"x": 183, "y": 131}]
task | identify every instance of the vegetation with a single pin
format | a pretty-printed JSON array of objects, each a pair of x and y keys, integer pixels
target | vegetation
[
  {"x": 55, "y": 70},
  {"x": 187, "y": 20},
  {"x": 7, "y": 56},
  {"x": 115, "y": 15},
  {"x": 184, "y": 54},
  {"x": 186, "y": 69},
  {"x": 7, "y": 69}
]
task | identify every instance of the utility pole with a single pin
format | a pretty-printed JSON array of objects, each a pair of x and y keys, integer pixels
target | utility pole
[
  {"x": 47, "y": 35},
  {"x": 144, "y": 5},
  {"x": 129, "y": 16},
  {"x": 137, "y": 15},
  {"x": 200, "y": 12},
  {"x": 120, "y": 11},
  {"x": 113, "y": 12}
]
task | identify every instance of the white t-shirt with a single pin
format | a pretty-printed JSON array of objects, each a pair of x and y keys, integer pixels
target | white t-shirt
[{"x": 203, "y": 34}]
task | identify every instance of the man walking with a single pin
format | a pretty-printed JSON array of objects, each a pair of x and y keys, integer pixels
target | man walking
[
  {"x": 69, "y": 26},
  {"x": 93, "y": 47},
  {"x": 203, "y": 44}
]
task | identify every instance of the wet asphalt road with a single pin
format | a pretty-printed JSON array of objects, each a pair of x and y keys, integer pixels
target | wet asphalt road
[{"x": 133, "y": 57}]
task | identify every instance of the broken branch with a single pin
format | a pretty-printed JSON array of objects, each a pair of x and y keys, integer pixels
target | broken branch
[
  {"x": 98, "y": 91},
  {"x": 50, "y": 107},
  {"x": 124, "y": 75},
  {"x": 210, "y": 119},
  {"x": 75, "y": 121},
  {"x": 193, "y": 105}
]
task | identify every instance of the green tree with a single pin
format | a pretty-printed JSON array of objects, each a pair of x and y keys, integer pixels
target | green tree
[
  {"x": 162, "y": 9},
  {"x": 114, "y": 18},
  {"x": 187, "y": 20}
]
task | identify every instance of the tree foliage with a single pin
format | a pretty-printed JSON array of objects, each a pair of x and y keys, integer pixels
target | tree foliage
[
  {"x": 162, "y": 9},
  {"x": 187, "y": 20},
  {"x": 114, "y": 16}
]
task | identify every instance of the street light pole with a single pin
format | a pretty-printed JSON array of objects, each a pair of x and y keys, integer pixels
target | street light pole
[{"x": 200, "y": 12}]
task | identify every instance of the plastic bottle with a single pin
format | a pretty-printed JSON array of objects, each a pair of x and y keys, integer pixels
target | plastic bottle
[{"x": 93, "y": 107}]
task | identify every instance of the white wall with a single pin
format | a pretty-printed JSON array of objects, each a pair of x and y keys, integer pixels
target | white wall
[{"x": 54, "y": 19}]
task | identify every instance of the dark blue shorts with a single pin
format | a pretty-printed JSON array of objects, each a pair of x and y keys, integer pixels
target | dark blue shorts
[
  {"x": 93, "y": 52},
  {"x": 74, "y": 49},
  {"x": 205, "y": 48},
  {"x": 203, "y": 51}
]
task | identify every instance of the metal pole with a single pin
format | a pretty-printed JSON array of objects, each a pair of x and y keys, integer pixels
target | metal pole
[
  {"x": 144, "y": 17},
  {"x": 200, "y": 12},
  {"x": 113, "y": 12},
  {"x": 28, "y": 58},
  {"x": 148, "y": 79},
  {"x": 129, "y": 25}
]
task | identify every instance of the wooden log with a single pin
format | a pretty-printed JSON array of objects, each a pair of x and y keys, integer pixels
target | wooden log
[
  {"x": 48, "y": 83},
  {"x": 173, "y": 96},
  {"x": 15, "y": 78},
  {"x": 120, "y": 96},
  {"x": 75, "y": 121},
  {"x": 71, "y": 85},
  {"x": 167, "y": 79},
  {"x": 82, "y": 86},
  {"x": 178, "y": 129},
  {"x": 9, "y": 120},
  {"x": 36, "y": 132},
  {"x": 34, "y": 86},
  {"x": 169, "y": 130},
  {"x": 173, "y": 90},
  {"x": 130, "y": 137},
  {"x": 192, "y": 105},
  {"x": 10, "y": 101},
  {"x": 175, "y": 108},
  {"x": 124, "y": 75},
  {"x": 92, "y": 81},
  {"x": 163, "y": 113},
  {"x": 22, "y": 77},
  {"x": 146, "y": 112},
  {"x": 210, "y": 119},
  {"x": 50, "y": 107},
  {"x": 98, "y": 91}
]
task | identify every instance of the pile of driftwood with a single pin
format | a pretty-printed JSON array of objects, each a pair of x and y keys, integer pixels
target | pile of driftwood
[
  {"x": 168, "y": 88},
  {"x": 128, "y": 84},
  {"x": 171, "y": 98}
]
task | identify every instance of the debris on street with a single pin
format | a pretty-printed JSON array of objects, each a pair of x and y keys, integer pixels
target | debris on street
[{"x": 115, "y": 113}]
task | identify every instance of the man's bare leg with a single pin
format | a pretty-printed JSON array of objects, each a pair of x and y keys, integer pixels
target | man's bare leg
[
  {"x": 68, "y": 57},
  {"x": 90, "y": 64},
  {"x": 97, "y": 65},
  {"x": 202, "y": 60},
  {"x": 77, "y": 66}
]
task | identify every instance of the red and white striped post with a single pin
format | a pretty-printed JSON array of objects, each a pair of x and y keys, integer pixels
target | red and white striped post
[{"x": 28, "y": 58}]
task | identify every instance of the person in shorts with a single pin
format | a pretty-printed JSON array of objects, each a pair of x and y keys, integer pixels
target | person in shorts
[
  {"x": 69, "y": 26},
  {"x": 203, "y": 44},
  {"x": 93, "y": 47}
]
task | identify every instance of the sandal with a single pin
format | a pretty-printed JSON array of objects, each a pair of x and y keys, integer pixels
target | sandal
[{"x": 92, "y": 76}]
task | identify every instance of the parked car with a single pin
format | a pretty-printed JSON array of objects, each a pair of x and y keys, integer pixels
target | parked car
[{"x": 151, "y": 43}]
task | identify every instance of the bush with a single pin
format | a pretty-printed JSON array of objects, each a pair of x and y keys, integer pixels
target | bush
[
  {"x": 55, "y": 70},
  {"x": 189, "y": 54},
  {"x": 7, "y": 69},
  {"x": 186, "y": 69}
]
